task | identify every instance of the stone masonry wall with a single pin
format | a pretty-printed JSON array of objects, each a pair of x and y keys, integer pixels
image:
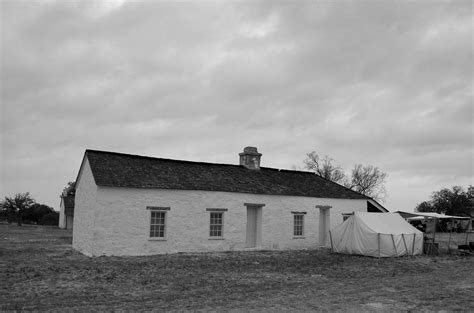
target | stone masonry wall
[{"x": 122, "y": 222}]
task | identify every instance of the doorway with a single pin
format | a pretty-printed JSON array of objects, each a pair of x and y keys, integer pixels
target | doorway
[
  {"x": 324, "y": 224},
  {"x": 254, "y": 225}
]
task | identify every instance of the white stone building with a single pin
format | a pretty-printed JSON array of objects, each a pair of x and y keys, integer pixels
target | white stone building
[
  {"x": 66, "y": 212},
  {"x": 135, "y": 205}
]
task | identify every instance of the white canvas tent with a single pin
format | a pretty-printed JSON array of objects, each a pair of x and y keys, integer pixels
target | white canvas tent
[{"x": 377, "y": 235}]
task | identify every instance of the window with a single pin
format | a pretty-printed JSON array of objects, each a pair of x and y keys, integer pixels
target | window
[
  {"x": 216, "y": 224},
  {"x": 157, "y": 225},
  {"x": 298, "y": 225},
  {"x": 157, "y": 222}
]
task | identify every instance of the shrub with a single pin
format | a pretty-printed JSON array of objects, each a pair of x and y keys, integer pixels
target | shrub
[{"x": 51, "y": 218}]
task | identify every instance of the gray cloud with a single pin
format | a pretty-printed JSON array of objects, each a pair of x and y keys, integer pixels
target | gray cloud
[{"x": 387, "y": 83}]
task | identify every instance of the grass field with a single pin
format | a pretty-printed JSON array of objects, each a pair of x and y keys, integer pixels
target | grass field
[{"x": 40, "y": 271}]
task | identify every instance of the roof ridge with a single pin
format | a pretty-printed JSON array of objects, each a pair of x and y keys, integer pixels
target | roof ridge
[
  {"x": 297, "y": 171},
  {"x": 156, "y": 158},
  {"x": 349, "y": 189},
  {"x": 193, "y": 162}
]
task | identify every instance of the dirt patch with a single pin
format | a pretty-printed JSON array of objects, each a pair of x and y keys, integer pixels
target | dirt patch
[{"x": 40, "y": 271}]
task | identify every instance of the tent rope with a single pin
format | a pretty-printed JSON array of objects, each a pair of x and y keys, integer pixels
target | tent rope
[
  {"x": 379, "y": 243},
  {"x": 330, "y": 238},
  {"x": 394, "y": 245},
  {"x": 405, "y": 243}
]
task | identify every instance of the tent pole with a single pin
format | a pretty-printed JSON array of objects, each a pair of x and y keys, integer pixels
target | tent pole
[
  {"x": 379, "y": 243},
  {"x": 434, "y": 234},
  {"x": 413, "y": 248},
  {"x": 394, "y": 246},
  {"x": 450, "y": 232},
  {"x": 467, "y": 232},
  {"x": 405, "y": 243},
  {"x": 332, "y": 246}
]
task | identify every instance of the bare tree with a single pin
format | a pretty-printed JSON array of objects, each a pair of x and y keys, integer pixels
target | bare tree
[
  {"x": 368, "y": 180},
  {"x": 18, "y": 205},
  {"x": 324, "y": 167}
]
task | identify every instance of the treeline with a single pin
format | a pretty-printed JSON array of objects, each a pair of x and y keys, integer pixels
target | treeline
[
  {"x": 23, "y": 209},
  {"x": 454, "y": 201}
]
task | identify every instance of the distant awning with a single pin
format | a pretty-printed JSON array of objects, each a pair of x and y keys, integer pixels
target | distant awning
[{"x": 413, "y": 215}]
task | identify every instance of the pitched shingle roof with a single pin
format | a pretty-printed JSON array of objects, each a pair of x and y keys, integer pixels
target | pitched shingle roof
[{"x": 124, "y": 170}]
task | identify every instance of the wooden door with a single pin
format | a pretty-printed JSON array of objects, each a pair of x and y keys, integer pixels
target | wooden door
[{"x": 251, "y": 241}]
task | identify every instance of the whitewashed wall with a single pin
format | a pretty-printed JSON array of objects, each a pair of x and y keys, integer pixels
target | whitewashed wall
[
  {"x": 62, "y": 215},
  {"x": 84, "y": 211},
  {"x": 120, "y": 225},
  {"x": 69, "y": 221},
  {"x": 65, "y": 221}
]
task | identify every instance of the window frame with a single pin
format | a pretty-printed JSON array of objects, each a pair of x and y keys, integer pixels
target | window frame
[
  {"x": 301, "y": 224},
  {"x": 163, "y": 210},
  {"x": 210, "y": 230},
  {"x": 345, "y": 216}
]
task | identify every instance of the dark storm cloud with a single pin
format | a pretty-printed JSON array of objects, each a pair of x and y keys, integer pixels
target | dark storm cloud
[{"x": 381, "y": 82}]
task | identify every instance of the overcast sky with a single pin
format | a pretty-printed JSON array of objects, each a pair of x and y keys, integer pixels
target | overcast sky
[{"x": 386, "y": 83}]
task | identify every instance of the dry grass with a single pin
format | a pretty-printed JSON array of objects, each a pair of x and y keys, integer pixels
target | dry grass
[{"x": 40, "y": 271}]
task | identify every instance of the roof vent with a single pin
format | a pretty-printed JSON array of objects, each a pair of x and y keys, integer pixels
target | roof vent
[{"x": 250, "y": 158}]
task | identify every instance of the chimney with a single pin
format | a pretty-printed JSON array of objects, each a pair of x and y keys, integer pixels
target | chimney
[{"x": 250, "y": 158}]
